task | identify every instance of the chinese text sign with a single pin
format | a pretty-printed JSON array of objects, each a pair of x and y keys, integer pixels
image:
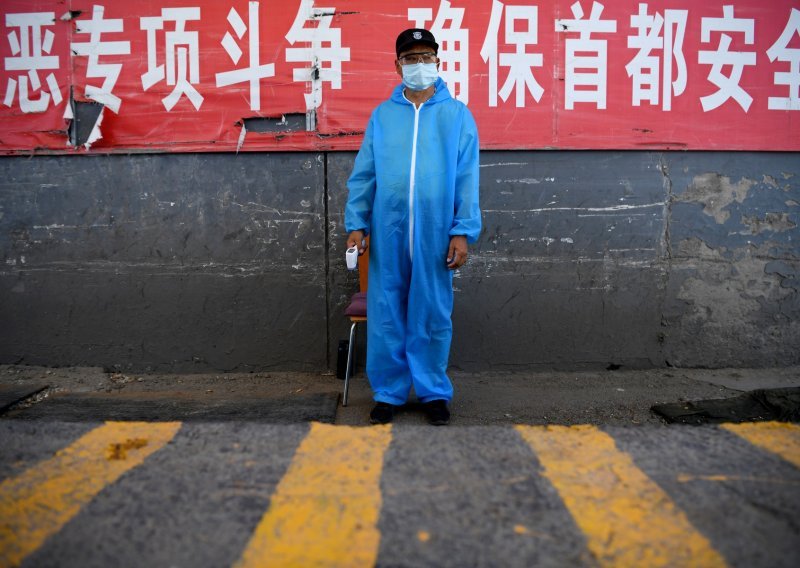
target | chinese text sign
[{"x": 187, "y": 75}]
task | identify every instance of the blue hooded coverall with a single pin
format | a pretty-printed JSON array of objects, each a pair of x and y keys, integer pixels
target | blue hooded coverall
[{"x": 414, "y": 185}]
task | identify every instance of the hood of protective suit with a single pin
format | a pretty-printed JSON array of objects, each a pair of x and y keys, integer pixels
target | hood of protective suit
[{"x": 442, "y": 93}]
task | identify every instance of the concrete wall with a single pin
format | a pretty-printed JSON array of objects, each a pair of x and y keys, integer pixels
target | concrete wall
[{"x": 197, "y": 262}]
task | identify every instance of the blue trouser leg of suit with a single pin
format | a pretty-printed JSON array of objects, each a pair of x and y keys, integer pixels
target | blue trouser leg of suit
[
  {"x": 430, "y": 329},
  {"x": 409, "y": 328}
]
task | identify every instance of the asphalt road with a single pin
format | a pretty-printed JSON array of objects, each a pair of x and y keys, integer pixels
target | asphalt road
[{"x": 200, "y": 494}]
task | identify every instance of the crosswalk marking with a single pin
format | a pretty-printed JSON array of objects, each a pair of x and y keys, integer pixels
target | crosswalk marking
[
  {"x": 628, "y": 520},
  {"x": 325, "y": 509},
  {"x": 41, "y": 500},
  {"x": 779, "y": 438}
]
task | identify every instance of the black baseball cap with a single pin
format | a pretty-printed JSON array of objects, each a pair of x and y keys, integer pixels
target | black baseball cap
[{"x": 413, "y": 36}]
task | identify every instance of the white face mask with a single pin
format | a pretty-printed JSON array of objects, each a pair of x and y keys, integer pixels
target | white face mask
[{"x": 419, "y": 76}]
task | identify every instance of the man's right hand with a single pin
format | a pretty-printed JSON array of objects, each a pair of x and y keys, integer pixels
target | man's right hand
[{"x": 356, "y": 239}]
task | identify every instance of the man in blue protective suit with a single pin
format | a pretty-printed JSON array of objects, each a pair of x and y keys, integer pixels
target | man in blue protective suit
[{"x": 414, "y": 190}]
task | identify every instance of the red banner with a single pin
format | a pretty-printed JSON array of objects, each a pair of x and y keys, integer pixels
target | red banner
[{"x": 228, "y": 75}]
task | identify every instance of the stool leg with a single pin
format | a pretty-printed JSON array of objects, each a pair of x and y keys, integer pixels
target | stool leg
[{"x": 350, "y": 363}]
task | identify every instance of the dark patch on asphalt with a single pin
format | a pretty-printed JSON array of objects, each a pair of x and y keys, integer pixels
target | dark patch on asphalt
[
  {"x": 119, "y": 451},
  {"x": 758, "y": 405},
  {"x": 173, "y": 406},
  {"x": 12, "y": 394}
]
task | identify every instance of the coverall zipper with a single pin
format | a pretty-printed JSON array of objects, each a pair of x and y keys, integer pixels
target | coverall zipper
[{"x": 417, "y": 110}]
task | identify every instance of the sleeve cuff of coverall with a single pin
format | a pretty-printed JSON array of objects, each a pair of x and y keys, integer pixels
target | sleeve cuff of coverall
[{"x": 456, "y": 233}]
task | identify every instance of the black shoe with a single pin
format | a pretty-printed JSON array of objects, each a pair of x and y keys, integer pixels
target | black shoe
[
  {"x": 381, "y": 414},
  {"x": 437, "y": 412}
]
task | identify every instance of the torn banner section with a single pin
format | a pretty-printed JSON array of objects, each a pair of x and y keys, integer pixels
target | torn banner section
[
  {"x": 85, "y": 120},
  {"x": 285, "y": 123}
]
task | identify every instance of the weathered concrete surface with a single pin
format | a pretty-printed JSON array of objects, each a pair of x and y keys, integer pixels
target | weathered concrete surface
[
  {"x": 733, "y": 292},
  {"x": 11, "y": 395},
  {"x": 235, "y": 262},
  {"x": 171, "y": 405},
  {"x": 637, "y": 259},
  {"x": 204, "y": 261},
  {"x": 567, "y": 271},
  {"x": 568, "y": 266},
  {"x": 618, "y": 398}
]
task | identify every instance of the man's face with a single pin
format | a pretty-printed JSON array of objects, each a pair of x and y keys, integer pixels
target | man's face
[{"x": 414, "y": 54}]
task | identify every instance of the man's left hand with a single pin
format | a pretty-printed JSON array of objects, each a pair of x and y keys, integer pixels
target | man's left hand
[{"x": 457, "y": 254}]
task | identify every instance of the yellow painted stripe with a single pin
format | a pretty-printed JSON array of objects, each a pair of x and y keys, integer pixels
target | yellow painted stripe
[
  {"x": 777, "y": 437},
  {"x": 628, "y": 520},
  {"x": 325, "y": 510},
  {"x": 42, "y": 499}
]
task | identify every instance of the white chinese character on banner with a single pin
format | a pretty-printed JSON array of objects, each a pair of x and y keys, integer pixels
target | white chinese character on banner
[
  {"x": 520, "y": 62},
  {"x": 453, "y": 45},
  {"x": 781, "y": 51},
  {"x": 30, "y": 48},
  {"x": 645, "y": 67},
  {"x": 255, "y": 72},
  {"x": 181, "y": 55},
  {"x": 728, "y": 86},
  {"x": 586, "y": 58},
  {"x": 325, "y": 47},
  {"x": 94, "y": 49}
]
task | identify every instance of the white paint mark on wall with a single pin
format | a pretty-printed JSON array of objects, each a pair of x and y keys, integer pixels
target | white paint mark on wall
[
  {"x": 630, "y": 250},
  {"x": 527, "y": 181},
  {"x": 590, "y": 209},
  {"x": 486, "y": 261},
  {"x": 627, "y": 215},
  {"x": 546, "y": 240},
  {"x": 52, "y": 227},
  {"x": 498, "y": 164}
]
